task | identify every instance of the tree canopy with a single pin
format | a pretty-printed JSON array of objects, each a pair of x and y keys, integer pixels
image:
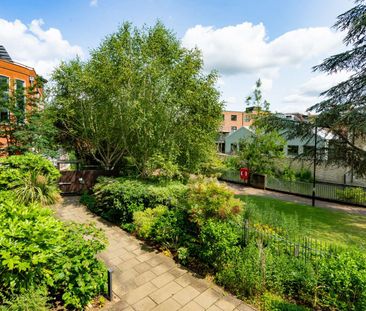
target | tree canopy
[{"x": 140, "y": 97}]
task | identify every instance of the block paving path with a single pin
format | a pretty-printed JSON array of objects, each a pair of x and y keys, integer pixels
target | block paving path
[{"x": 145, "y": 279}]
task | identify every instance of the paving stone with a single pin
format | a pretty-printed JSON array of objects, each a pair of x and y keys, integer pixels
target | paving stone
[
  {"x": 199, "y": 284},
  {"x": 207, "y": 298},
  {"x": 144, "y": 304},
  {"x": 160, "y": 269},
  {"x": 177, "y": 272},
  {"x": 121, "y": 305},
  {"x": 145, "y": 257},
  {"x": 186, "y": 294},
  {"x": 192, "y": 306},
  {"x": 225, "y": 305},
  {"x": 129, "y": 264},
  {"x": 168, "y": 305},
  {"x": 139, "y": 293},
  {"x": 214, "y": 308},
  {"x": 154, "y": 261},
  {"x": 163, "y": 279},
  {"x": 165, "y": 292},
  {"x": 144, "y": 278},
  {"x": 185, "y": 279},
  {"x": 142, "y": 267}
]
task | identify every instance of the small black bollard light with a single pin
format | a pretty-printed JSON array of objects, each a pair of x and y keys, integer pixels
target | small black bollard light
[{"x": 110, "y": 292}]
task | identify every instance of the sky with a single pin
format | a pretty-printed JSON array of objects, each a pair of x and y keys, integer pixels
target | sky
[{"x": 278, "y": 41}]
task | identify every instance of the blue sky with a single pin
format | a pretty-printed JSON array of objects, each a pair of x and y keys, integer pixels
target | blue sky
[{"x": 277, "y": 40}]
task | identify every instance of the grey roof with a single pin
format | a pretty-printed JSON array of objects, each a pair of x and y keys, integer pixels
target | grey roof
[{"x": 4, "y": 54}]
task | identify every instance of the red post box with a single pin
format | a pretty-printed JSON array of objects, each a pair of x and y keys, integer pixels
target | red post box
[{"x": 244, "y": 173}]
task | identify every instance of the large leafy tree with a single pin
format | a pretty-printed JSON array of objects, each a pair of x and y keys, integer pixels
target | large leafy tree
[{"x": 140, "y": 97}]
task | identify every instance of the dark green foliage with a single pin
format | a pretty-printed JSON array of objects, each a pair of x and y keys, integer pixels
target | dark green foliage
[
  {"x": 13, "y": 169},
  {"x": 38, "y": 251},
  {"x": 118, "y": 199},
  {"x": 353, "y": 194},
  {"x": 147, "y": 102},
  {"x": 273, "y": 302}
]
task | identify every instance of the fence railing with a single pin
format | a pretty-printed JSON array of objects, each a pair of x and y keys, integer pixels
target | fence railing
[
  {"x": 301, "y": 247},
  {"x": 335, "y": 192}
]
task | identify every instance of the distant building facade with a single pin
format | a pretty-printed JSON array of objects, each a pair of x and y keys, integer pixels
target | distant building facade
[{"x": 14, "y": 76}]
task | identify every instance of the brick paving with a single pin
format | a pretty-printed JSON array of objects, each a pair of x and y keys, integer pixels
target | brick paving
[{"x": 144, "y": 279}]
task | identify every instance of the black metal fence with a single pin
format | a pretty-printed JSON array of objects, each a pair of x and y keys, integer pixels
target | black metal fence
[
  {"x": 327, "y": 191},
  {"x": 334, "y": 192},
  {"x": 302, "y": 247}
]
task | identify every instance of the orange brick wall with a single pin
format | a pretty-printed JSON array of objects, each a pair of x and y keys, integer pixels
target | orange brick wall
[{"x": 241, "y": 121}]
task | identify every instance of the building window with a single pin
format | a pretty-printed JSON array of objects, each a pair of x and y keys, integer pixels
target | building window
[
  {"x": 233, "y": 128},
  {"x": 4, "y": 97},
  {"x": 292, "y": 150},
  {"x": 20, "y": 98},
  {"x": 309, "y": 151},
  {"x": 234, "y": 117}
]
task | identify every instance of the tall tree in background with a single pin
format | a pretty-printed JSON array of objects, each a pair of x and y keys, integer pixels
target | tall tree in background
[
  {"x": 343, "y": 111},
  {"x": 140, "y": 98},
  {"x": 261, "y": 151}
]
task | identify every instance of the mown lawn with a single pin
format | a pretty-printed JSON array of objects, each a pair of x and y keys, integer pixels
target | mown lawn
[{"x": 313, "y": 222}]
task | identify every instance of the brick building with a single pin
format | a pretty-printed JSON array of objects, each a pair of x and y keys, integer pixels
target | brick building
[{"x": 18, "y": 78}]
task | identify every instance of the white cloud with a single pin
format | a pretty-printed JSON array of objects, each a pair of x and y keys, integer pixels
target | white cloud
[
  {"x": 93, "y": 3},
  {"x": 245, "y": 48},
  {"x": 34, "y": 46},
  {"x": 307, "y": 94}
]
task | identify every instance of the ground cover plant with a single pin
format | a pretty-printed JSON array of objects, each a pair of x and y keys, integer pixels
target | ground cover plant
[
  {"x": 203, "y": 227},
  {"x": 42, "y": 255}
]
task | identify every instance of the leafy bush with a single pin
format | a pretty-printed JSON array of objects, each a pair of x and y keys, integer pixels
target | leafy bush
[
  {"x": 117, "y": 199},
  {"x": 87, "y": 200},
  {"x": 351, "y": 194},
  {"x": 37, "y": 250},
  {"x": 217, "y": 238},
  {"x": 144, "y": 220},
  {"x": 273, "y": 302},
  {"x": 304, "y": 175},
  {"x": 14, "y": 168},
  {"x": 206, "y": 198}
]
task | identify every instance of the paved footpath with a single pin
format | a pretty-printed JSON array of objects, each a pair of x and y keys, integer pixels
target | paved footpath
[
  {"x": 144, "y": 279},
  {"x": 246, "y": 190}
]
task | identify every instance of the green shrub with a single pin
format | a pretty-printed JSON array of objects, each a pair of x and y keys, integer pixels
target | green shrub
[
  {"x": 172, "y": 229},
  {"x": 242, "y": 273},
  {"x": 216, "y": 239},
  {"x": 144, "y": 220},
  {"x": 289, "y": 174},
  {"x": 206, "y": 198},
  {"x": 37, "y": 250},
  {"x": 14, "y": 168},
  {"x": 272, "y": 302},
  {"x": 304, "y": 175},
  {"x": 352, "y": 194},
  {"x": 88, "y": 200},
  {"x": 117, "y": 199}
]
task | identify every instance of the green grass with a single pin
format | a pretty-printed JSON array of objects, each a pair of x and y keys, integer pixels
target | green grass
[{"x": 302, "y": 220}]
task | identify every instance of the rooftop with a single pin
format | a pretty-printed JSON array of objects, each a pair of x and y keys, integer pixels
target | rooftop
[{"x": 4, "y": 54}]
